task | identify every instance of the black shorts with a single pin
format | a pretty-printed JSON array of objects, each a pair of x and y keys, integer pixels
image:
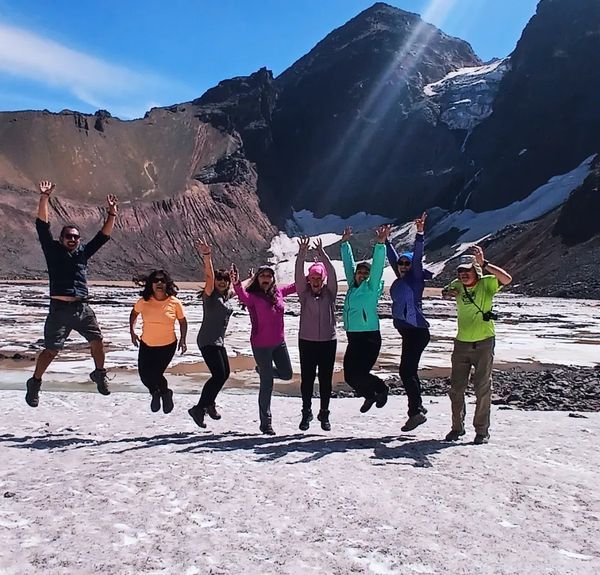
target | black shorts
[{"x": 65, "y": 316}]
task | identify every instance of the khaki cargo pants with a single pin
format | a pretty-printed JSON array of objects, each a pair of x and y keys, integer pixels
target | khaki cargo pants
[{"x": 480, "y": 356}]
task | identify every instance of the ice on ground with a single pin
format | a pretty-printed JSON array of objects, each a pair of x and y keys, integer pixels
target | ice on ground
[{"x": 100, "y": 485}]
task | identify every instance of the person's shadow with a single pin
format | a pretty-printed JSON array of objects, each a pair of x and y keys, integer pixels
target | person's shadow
[{"x": 268, "y": 448}]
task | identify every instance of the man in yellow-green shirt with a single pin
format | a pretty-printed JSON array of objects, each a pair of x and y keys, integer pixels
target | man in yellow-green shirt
[{"x": 474, "y": 344}]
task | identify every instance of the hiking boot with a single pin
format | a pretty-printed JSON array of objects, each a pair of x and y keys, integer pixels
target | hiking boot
[
  {"x": 323, "y": 417},
  {"x": 481, "y": 438},
  {"x": 413, "y": 422},
  {"x": 267, "y": 429},
  {"x": 32, "y": 397},
  {"x": 382, "y": 397},
  {"x": 455, "y": 435},
  {"x": 98, "y": 376},
  {"x": 367, "y": 404},
  {"x": 167, "y": 401},
  {"x": 307, "y": 417},
  {"x": 197, "y": 414},
  {"x": 155, "y": 402},
  {"x": 212, "y": 412}
]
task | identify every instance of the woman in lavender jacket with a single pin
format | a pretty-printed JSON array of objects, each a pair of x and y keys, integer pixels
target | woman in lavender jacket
[
  {"x": 317, "y": 341},
  {"x": 407, "y": 312}
]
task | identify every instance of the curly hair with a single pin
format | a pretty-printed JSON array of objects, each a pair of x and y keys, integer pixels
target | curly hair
[{"x": 147, "y": 291}]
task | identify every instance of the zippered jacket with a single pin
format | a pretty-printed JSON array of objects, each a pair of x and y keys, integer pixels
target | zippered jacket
[{"x": 360, "y": 305}]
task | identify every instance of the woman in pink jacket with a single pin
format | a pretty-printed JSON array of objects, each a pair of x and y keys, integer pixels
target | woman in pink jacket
[{"x": 265, "y": 302}]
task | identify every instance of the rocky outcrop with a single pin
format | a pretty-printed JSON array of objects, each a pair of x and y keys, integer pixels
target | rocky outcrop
[
  {"x": 177, "y": 178},
  {"x": 352, "y": 130},
  {"x": 546, "y": 116}
]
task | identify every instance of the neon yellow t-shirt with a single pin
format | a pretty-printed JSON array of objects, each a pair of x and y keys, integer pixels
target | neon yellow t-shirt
[
  {"x": 158, "y": 318},
  {"x": 471, "y": 326}
]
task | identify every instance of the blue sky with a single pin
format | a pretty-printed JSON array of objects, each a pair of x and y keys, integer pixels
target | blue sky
[{"x": 129, "y": 55}]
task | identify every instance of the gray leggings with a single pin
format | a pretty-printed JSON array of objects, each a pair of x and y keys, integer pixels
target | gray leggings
[{"x": 265, "y": 357}]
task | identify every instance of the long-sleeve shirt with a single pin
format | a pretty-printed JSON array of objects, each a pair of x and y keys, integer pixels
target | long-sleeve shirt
[
  {"x": 67, "y": 270},
  {"x": 266, "y": 316},
  {"x": 360, "y": 305},
  {"x": 317, "y": 312},
  {"x": 407, "y": 292}
]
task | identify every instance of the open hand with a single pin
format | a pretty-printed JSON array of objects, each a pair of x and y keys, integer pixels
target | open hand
[
  {"x": 303, "y": 244},
  {"x": 46, "y": 187},
  {"x": 318, "y": 245},
  {"x": 383, "y": 233},
  {"x": 135, "y": 339},
  {"x": 478, "y": 253},
  {"x": 203, "y": 247},
  {"x": 113, "y": 203},
  {"x": 182, "y": 346}
]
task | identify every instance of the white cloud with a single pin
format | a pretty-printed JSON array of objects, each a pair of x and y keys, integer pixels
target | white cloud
[{"x": 96, "y": 82}]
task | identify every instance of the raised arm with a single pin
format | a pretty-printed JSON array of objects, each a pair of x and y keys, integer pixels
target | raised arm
[
  {"x": 109, "y": 223},
  {"x": 209, "y": 272},
  {"x": 332, "y": 282},
  {"x": 347, "y": 256},
  {"x": 417, "y": 262},
  {"x": 376, "y": 274},
  {"x": 46, "y": 188},
  {"x": 503, "y": 277},
  {"x": 239, "y": 289},
  {"x": 299, "y": 277}
]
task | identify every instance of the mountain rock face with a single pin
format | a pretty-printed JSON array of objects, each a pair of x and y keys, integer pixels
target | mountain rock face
[
  {"x": 546, "y": 116},
  {"x": 351, "y": 127},
  {"x": 177, "y": 177}
]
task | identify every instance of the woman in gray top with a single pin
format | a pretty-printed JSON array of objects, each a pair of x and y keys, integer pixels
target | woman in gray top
[
  {"x": 317, "y": 338},
  {"x": 215, "y": 318}
]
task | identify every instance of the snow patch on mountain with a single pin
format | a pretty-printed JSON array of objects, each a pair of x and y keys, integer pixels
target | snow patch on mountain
[
  {"x": 475, "y": 225},
  {"x": 465, "y": 96},
  {"x": 304, "y": 222}
]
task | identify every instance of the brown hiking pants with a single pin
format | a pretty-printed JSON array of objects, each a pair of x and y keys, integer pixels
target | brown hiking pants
[{"x": 480, "y": 356}]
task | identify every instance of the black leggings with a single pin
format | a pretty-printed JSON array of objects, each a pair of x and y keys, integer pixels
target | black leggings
[
  {"x": 215, "y": 357},
  {"x": 361, "y": 355},
  {"x": 152, "y": 363},
  {"x": 414, "y": 341},
  {"x": 316, "y": 355}
]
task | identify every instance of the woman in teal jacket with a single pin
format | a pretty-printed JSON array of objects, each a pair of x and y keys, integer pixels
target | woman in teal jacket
[{"x": 362, "y": 322}]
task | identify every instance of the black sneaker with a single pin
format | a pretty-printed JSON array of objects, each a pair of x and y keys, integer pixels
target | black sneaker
[
  {"x": 455, "y": 435},
  {"x": 367, "y": 404},
  {"x": 323, "y": 417},
  {"x": 98, "y": 376},
  {"x": 32, "y": 397},
  {"x": 267, "y": 429},
  {"x": 197, "y": 414},
  {"x": 413, "y": 422},
  {"x": 307, "y": 417},
  {"x": 167, "y": 401},
  {"x": 382, "y": 397},
  {"x": 481, "y": 438},
  {"x": 155, "y": 402},
  {"x": 212, "y": 412}
]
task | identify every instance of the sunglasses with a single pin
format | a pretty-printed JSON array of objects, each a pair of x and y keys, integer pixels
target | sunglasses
[
  {"x": 404, "y": 263},
  {"x": 71, "y": 236},
  {"x": 159, "y": 281}
]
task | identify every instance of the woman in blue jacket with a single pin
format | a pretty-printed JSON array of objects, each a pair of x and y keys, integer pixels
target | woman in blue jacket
[
  {"x": 407, "y": 312},
  {"x": 361, "y": 321}
]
